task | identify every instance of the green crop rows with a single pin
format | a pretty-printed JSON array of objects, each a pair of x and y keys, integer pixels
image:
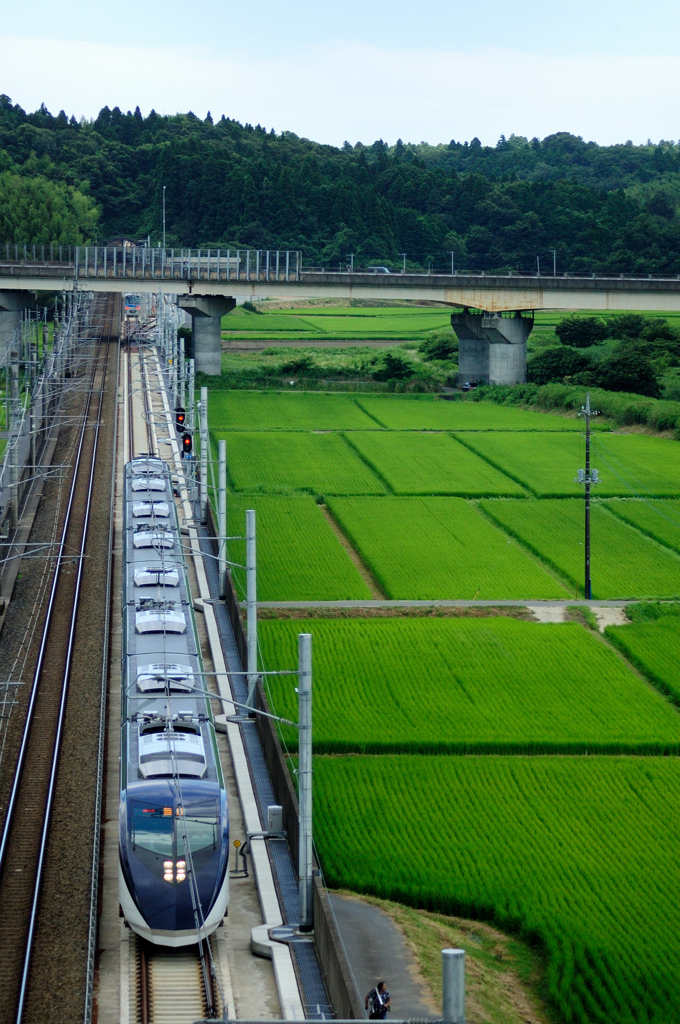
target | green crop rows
[
  {"x": 250, "y": 410},
  {"x": 427, "y": 548},
  {"x": 658, "y": 519},
  {"x": 430, "y": 464},
  {"x": 653, "y": 647},
  {"x": 299, "y": 556},
  {"x": 625, "y": 563},
  {"x": 337, "y": 322},
  {"x": 468, "y": 686},
  {"x": 427, "y": 413},
  {"x": 580, "y": 854},
  {"x": 280, "y": 463},
  {"x": 628, "y": 464}
]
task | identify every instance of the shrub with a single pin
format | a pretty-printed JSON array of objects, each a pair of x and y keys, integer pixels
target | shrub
[
  {"x": 556, "y": 364},
  {"x": 301, "y": 366},
  {"x": 582, "y": 331},
  {"x": 628, "y": 370},
  {"x": 443, "y": 347},
  {"x": 394, "y": 368}
]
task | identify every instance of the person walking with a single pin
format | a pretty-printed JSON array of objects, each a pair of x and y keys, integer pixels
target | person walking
[{"x": 378, "y": 999}]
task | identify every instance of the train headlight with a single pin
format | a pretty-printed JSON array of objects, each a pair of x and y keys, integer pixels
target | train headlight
[
  {"x": 181, "y": 870},
  {"x": 168, "y": 865},
  {"x": 167, "y": 876}
]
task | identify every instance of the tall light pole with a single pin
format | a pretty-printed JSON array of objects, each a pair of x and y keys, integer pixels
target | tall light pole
[
  {"x": 164, "y": 218},
  {"x": 589, "y": 478}
]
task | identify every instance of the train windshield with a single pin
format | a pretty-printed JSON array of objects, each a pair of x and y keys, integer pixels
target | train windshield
[
  {"x": 152, "y": 828},
  {"x": 155, "y": 826},
  {"x": 199, "y": 822}
]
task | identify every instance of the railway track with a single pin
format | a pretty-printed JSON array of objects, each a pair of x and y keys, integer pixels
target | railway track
[
  {"x": 171, "y": 986},
  {"x": 26, "y": 828}
]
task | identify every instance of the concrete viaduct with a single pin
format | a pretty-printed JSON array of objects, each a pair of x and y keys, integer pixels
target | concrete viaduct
[{"x": 489, "y": 308}]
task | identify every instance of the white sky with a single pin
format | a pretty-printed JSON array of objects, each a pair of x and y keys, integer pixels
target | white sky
[{"x": 608, "y": 70}]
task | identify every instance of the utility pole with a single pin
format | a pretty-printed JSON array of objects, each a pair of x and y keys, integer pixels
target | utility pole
[
  {"x": 453, "y": 268},
  {"x": 251, "y": 604},
  {"x": 403, "y": 255},
  {"x": 589, "y": 478},
  {"x": 305, "y": 781},
  {"x": 163, "y": 221},
  {"x": 554, "y": 252},
  {"x": 351, "y": 263},
  {"x": 538, "y": 266}
]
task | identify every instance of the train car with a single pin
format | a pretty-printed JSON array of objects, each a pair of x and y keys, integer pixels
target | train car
[{"x": 173, "y": 828}]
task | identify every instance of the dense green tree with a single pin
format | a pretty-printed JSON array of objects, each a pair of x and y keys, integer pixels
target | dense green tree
[
  {"x": 442, "y": 346},
  {"x": 629, "y": 370},
  {"x": 582, "y": 331},
  {"x": 230, "y": 185},
  {"x": 554, "y": 364},
  {"x": 40, "y": 210}
]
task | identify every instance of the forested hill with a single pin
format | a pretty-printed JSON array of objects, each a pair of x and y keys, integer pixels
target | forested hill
[{"x": 613, "y": 208}]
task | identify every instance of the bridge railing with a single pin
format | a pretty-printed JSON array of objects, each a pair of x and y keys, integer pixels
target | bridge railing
[{"x": 135, "y": 262}]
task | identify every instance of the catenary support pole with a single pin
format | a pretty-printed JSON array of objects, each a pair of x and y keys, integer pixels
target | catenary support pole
[
  {"x": 182, "y": 372},
  {"x": 251, "y": 604},
  {"x": 203, "y": 427},
  {"x": 453, "y": 986},
  {"x": 587, "y": 582},
  {"x": 305, "y": 780},
  {"x": 192, "y": 396},
  {"x": 222, "y": 515},
  {"x": 14, "y": 442}
]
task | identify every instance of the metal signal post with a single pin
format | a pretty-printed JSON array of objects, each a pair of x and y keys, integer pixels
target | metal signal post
[{"x": 588, "y": 478}]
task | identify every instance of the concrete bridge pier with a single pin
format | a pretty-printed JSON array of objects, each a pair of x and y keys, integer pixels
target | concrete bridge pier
[
  {"x": 492, "y": 349},
  {"x": 206, "y": 315},
  {"x": 12, "y": 304}
]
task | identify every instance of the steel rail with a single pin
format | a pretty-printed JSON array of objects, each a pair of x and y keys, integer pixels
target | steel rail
[
  {"x": 43, "y": 643},
  {"x": 96, "y": 853},
  {"x": 23, "y": 989}
]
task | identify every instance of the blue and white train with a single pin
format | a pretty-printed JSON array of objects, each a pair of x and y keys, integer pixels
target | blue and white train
[{"x": 174, "y": 829}]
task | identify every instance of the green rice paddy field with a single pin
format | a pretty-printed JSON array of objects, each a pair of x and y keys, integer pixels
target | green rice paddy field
[
  {"x": 626, "y": 562},
  {"x": 515, "y": 771},
  {"x": 579, "y": 854},
  {"x": 422, "y": 463},
  {"x": 343, "y": 452},
  {"x": 299, "y": 557},
  {"x": 330, "y": 322},
  {"x": 490, "y": 685},
  {"x": 432, "y": 548}
]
